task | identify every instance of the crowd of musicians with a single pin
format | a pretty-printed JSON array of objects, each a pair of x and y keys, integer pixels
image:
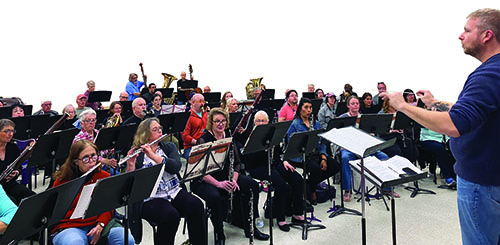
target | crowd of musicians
[{"x": 241, "y": 173}]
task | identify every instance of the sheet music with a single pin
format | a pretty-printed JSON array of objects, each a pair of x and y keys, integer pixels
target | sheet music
[
  {"x": 379, "y": 169},
  {"x": 160, "y": 176},
  {"x": 351, "y": 139},
  {"x": 83, "y": 201},
  {"x": 398, "y": 163}
]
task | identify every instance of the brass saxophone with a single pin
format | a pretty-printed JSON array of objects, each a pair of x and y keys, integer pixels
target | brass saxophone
[
  {"x": 167, "y": 81},
  {"x": 250, "y": 87},
  {"x": 231, "y": 173}
]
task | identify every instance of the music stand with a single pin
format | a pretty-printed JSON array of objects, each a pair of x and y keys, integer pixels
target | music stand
[
  {"x": 213, "y": 97},
  {"x": 299, "y": 145},
  {"x": 378, "y": 124},
  {"x": 23, "y": 129},
  {"x": 121, "y": 190},
  {"x": 268, "y": 94},
  {"x": 402, "y": 121},
  {"x": 234, "y": 118},
  {"x": 5, "y": 112},
  {"x": 363, "y": 147},
  {"x": 40, "y": 123},
  {"x": 265, "y": 137},
  {"x": 43, "y": 210},
  {"x": 165, "y": 92},
  {"x": 126, "y": 109},
  {"x": 341, "y": 123},
  {"x": 310, "y": 95},
  {"x": 341, "y": 108},
  {"x": 99, "y": 96},
  {"x": 316, "y": 103}
]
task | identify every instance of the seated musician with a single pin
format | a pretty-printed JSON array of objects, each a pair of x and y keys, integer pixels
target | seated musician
[
  {"x": 232, "y": 105},
  {"x": 225, "y": 97},
  {"x": 366, "y": 104},
  {"x": 148, "y": 97},
  {"x": 83, "y": 157},
  {"x": 7, "y": 210},
  {"x": 138, "y": 110},
  {"x": 207, "y": 89},
  {"x": 195, "y": 124},
  {"x": 327, "y": 111},
  {"x": 70, "y": 109},
  {"x": 123, "y": 96},
  {"x": 435, "y": 143},
  {"x": 319, "y": 94},
  {"x": 319, "y": 166},
  {"x": 170, "y": 201},
  {"x": 89, "y": 132},
  {"x": 133, "y": 87},
  {"x": 8, "y": 154},
  {"x": 156, "y": 104},
  {"x": 46, "y": 108},
  {"x": 115, "y": 110},
  {"x": 17, "y": 110},
  {"x": 214, "y": 188},
  {"x": 281, "y": 173},
  {"x": 91, "y": 88},
  {"x": 353, "y": 106},
  {"x": 81, "y": 100},
  {"x": 287, "y": 112}
]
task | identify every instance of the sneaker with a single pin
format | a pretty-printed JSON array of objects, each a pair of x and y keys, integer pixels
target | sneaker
[
  {"x": 347, "y": 197},
  {"x": 451, "y": 182}
]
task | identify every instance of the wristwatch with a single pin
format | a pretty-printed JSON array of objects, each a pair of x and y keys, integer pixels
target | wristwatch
[{"x": 101, "y": 224}]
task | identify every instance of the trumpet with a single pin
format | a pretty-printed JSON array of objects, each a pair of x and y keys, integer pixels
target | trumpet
[{"x": 139, "y": 150}]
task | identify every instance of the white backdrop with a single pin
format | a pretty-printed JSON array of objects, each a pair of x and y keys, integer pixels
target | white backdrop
[{"x": 51, "y": 48}]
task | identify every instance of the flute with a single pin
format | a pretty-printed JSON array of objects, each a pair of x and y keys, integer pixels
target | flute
[{"x": 139, "y": 150}]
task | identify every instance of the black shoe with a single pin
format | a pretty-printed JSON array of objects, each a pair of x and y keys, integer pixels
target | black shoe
[
  {"x": 297, "y": 221},
  {"x": 285, "y": 227},
  {"x": 258, "y": 235}
]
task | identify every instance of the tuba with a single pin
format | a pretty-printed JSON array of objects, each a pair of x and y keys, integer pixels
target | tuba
[
  {"x": 167, "y": 81},
  {"x": 254, "y": 83}
]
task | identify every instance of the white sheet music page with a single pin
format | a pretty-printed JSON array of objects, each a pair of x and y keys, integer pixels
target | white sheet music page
[
  {"x": 397, "y": 163},
  {"x": 380, "y": 169},
  {"x": 155, "y": 188},
  {"x": 83, "y": 201},
  {"x": 352, "y": 139}
]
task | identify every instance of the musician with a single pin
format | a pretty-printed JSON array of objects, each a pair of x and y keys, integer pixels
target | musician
[
  {"x": 214, "y": 187},
  {"x": 288, "y": 111},
  {"x": 319, "y": 93},
  {"x": 381, "y": 87},
  {"x": 123, "y": 96},
  {"x": 327, "y": 112},
  {"x": 347, "y": 93},
  {"x": 195, "y": 125},
  {"x": 281, "y": 173},
  {"x": 353, "y": 106},
  {"x": 207, "y": 89},
  {"x": 70, "y": 109},
  {"x": 232, "y": 105},
  {"x": 310, "y": 88},
  {"x": 139, "y": 110},
  {"x": 409, "y": 97},
  {"x": 156, "y": 105},
  {"x": 17, "y": 110},
  {"x": 115, "y": 110},
  {"x": 225, "y": 97},
  {"x": 319, "y": 166},
  {"x": 8, "y": 154},
  {"x": 91, "y": 88},
  {"x": 148, "y": 97},
  {"x": 81, "y": 100},
  {"x": 366, "y": 105},
  {"x": 170, "y": 200},
  {"x": 133, "y": 87},
  {"x": 88, "y": 132},
  {"x": 181, "y": 90},
  {"x": 7, "y": 210},
  {"x": 46, "y": 108},
  {"x": 82, "y": 158}
]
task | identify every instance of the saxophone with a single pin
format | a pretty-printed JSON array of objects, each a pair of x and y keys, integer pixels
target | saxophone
[
  {"x": 167, "y": 81},
  {"x": 231, "y": 173},
  {"x": 250, "y": 87}
]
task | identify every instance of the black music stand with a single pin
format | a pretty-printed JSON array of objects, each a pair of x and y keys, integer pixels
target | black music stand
[
  {"x": 101, "y": 115},
  {"x": 268, "y": 94},
  {"x": 39, "y": 124},
  {"x": 402, "y": 121},
  {"x": 23, "y": 127},
  {"x": 99, "y": 96},
  {"x": 165, "y": 92},
  {"x": 124, "y": 189},
  {"x": 310, "y": 95},
  {"x": 174, "y": 122},
  {"x": 299, "y": 145},
  {"x": 341, "y": 108},
  {"x": 265, "y": 137},
  {"x": 365, "y": 146},
  {"x": 43, "y": 210},
  {"x": 316, "y": 103},
  {"x": 212, "y": 97},
  {"x": 341, "y": 123},
  {"x": 378, "y": 124},
  {"x": 126, "y": 109},
  {"x": 5, "y": 112},
  {"x": 234, "y": 118},
  {"x": 106, "y": 139},
  {"x": 125, "y": 138}
]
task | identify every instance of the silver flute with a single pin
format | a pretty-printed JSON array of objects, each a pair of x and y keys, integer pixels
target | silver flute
[{"x": 139, "y": 150}]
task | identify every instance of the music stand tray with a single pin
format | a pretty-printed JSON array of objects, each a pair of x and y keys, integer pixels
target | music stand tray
[
  {"x": 212, "y": 97},
  {"x": 23, "y": 129},
  {"x": 39, "y": 124},
  {"x": 99, "y": 96},
  {"x": 310, "y": 95},
  {"x": 165, "y": 92},
  {"x": 375, "y": 123},
  {"x": 268, "y": 94}
]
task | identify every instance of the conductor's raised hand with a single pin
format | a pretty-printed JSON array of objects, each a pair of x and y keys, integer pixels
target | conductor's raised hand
[
  {"x": 396, "y": 99},
  {"x": 426, "y": 97}
]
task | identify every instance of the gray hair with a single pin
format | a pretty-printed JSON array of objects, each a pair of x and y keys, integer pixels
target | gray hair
[
  {"x": 83, "y": 115},
  {"x": 90, "y": 82},
  {"x": 264, "y": 113}
]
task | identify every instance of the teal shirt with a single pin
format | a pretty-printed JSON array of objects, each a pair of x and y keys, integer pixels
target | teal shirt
[
  {"x": 427, "y": 134},
  {"x": 7, "y": 207}
]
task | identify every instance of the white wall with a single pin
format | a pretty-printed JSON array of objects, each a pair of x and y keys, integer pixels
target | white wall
[{"x": 51, "y": 48}]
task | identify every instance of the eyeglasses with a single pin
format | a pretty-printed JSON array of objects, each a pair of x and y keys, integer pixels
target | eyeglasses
[
  {"x": 47, "y": 104},
  {"x": 261, "y": 120},
  {"x": 200, "y": 101},
  {"x": 124, "y": 97},
  {"x": 220, "y": 121},
  {"x": 8, "y": 131},
  {"x": 157, "y": 129},
  {"x": 87, "y": 159},
  {"x": 90, "y": 120}
]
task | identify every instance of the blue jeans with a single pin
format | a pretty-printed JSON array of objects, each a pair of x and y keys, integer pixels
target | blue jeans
[
  {"x": 346, "y": 168},
  {"x": 77, "y": 236},
  {"x": 479, "y": 212},
  {"x": 186, "y": 153}
]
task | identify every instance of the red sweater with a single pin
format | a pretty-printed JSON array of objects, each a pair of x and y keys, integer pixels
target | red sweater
[
  {"x": 69, "y": 223},
  {"x": 194, "y": 128}
]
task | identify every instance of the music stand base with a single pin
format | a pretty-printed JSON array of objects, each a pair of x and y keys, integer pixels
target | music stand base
[
  {"x": 416, "y": 190},
  {"x": 306, "y": 226},
  {"x": 343, "y": 210}
]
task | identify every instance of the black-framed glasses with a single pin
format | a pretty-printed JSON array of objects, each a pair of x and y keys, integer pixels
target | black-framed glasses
[
  {"x": 87, "y": 159},
  {"x": 220, "y": 121}
]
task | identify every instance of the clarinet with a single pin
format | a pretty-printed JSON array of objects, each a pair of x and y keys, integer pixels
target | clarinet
[
  {"x": 250, "y": 219},
  {"x": 231, "y": 173}
]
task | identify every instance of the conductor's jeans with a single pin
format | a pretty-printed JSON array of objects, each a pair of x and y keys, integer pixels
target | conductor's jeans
[{"x": 479, "y": 212}]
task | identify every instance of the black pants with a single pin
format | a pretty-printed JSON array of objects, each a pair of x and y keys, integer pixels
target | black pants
[
  {"x": 168, "y": 214},
  {"x": 216, "y": 199},
  {"x": 316, "y": 175},
  {"x": 280, "y": 177},
  {"x": 16, "y": 191}
]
